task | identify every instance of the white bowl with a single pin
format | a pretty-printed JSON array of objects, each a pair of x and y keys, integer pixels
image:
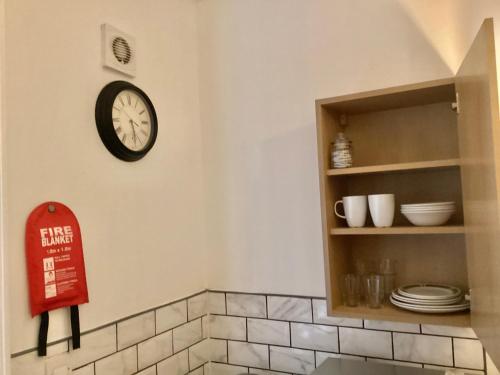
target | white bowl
[{"x": 428, "y": 218}]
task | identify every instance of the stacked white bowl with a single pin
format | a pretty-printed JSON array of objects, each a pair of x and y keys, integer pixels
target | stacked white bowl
[{"x": 427, "y": 214}]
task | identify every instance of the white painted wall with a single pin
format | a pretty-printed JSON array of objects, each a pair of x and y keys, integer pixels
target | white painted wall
[
  {"x": 263, "y": 65},
  {"x": 142, "y": 223}
]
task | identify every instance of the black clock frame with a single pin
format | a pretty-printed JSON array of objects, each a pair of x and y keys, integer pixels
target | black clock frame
[{"x": 104, "y": 121}]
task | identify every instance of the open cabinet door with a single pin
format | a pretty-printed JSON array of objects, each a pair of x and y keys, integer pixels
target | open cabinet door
[{"x": 479, "y": 140}]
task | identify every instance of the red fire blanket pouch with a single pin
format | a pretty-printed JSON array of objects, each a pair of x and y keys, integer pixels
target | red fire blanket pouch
[{"x": 56, "y": 269}]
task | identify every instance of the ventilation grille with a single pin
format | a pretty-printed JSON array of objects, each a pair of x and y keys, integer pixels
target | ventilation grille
[
  {"x": 118, "y": 50},
  {"x": 121, "y": 50}
]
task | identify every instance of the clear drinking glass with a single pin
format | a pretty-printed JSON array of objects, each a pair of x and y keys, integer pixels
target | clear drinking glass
[
  {"x": 388, "y": 270},
  {"x": 374, "y": 290},
  {"x": 351, "y": 289},
  {"x": 363, "y": 269}
]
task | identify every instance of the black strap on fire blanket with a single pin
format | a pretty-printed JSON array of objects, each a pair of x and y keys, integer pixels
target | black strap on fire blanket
[
  {"x": 42, "y": 334},
  {"x": 44, "y": 329},
  {"x": 75, "y": 326}
]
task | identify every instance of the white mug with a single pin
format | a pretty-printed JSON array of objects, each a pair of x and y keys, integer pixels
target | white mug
[
  {"x": 382, "y": 209},
  {"x": 355, "y": 208}
]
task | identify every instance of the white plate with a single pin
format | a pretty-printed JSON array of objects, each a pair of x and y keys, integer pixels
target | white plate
[
  {"x": 429, "y": 291},
  {"x": 404, "y": 209},
  {"x": 413, "y": 301},
  {"x": 431, "y": 310},
  {"x": 428, "y": 204}
]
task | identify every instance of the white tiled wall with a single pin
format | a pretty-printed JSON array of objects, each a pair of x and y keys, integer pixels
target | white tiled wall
[
  {"x": 295, "y": 335},
  {"x": 218, "y": 333},
  {"x": 164, "y": 341}
]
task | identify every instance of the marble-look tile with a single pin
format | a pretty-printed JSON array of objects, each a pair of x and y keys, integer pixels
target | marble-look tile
[
  {"x": 94, "y": 345},
  {"x": 149, "y": 371},
  {"x": 491, "y": 369},
  {"x": 227, "y": 327},
  {"x": 420, "y": 348},
  {"x": 322, "y": 356},
  {"x": 223, "y": 369},
  {"x": 198, "y": 371},
  {"x": 121, "y": 363},
  {"x": 392, "y": 326},
  {"x": 321, "y": 317},
  {"x": 397, "y": 363},
  {"x": 245, "y": 354},
  {"x": 454, "y": 370},
  {"x": 197, "y": 306},
  {"x": 315, "y": 336},
  {"x": 85, "y": 370},
  {"x": 251, "y": 305},
  {"x": 468, "y": 353},
  {"x": 289, "y": 308},
  {"x": 187, "y": 335},
  {"x": 171, "y": 316},
  {"x": 268, "y": 331},
  {"x": 258, "y": 371},
  {"x": 216, "y": 303},
  {"x": 199, "y": 354},
  {"x": 448, "y": 331},
  {"x": 155, "y": 349},
  {"x": 205, "y": 327},
  {"x": 176, "y": 365},
  {"x": 31, "y": 364},
  {"x": 218, "y": 350},
  {"x": 298, "y": 361},
  {"x": 365, "y": 342},
  {"x": 136, "y": 329}
]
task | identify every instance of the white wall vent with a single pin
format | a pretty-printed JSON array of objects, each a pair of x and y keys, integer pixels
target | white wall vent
[{"x": 118, "y": 50}]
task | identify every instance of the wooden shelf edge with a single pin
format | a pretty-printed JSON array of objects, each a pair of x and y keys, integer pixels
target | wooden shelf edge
[
  {"x": 392, "y": 313},
  {"x": 398, "y": 167},
  {"x": 447, "y": 229}
]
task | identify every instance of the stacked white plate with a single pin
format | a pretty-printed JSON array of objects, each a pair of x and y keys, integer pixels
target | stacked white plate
[
  {"x": 427, "y": 214},
  {"x": 430, "y": 298}
]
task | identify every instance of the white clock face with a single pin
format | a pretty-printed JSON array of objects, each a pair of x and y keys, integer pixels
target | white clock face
[{"x": 132, "y": 120}]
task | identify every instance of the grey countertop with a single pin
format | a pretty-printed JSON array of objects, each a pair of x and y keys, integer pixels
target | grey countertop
[{"x": 334, "y": 366}]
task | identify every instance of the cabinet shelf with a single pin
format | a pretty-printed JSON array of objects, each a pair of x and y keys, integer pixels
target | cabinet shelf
[
  {"x": 392, "y": 313},
  {"x": 397, "y": 167},
  {"x": 447, "y": 229}
]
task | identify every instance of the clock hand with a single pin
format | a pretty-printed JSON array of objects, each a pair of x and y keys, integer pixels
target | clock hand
[{"x": 133, "y": 131}]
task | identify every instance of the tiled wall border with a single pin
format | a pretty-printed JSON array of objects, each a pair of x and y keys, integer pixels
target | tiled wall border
[
  {"x": 171, "y": 338},
  {"x": 279, "y": 334},
  {"x": 229, "y": 333}
]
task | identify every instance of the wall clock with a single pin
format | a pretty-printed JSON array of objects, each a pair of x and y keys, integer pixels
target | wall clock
[{"x": 126, "y": 120}]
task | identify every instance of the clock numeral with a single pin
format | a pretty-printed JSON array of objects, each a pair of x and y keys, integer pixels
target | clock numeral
[
  {"x": 128, "y": 98},
  {"x": 144, "y": 122},
  {"x": 144, "y": 132},
  {"x": 136, "y": 102},
  {"x": 115, "y": 119},
  {"x": 124, "y": 138},
  {"x": 121, "y": 100},
  {"x": 115, "y": 107},
  {"x": 141, "y": 112},
  {"x": 118, "y": 130}
]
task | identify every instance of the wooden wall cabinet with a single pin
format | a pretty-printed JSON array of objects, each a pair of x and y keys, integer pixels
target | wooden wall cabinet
[{"x": 409, "y": 141}]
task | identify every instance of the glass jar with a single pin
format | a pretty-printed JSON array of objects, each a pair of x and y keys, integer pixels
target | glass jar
[{"x": 341, "y": 152}]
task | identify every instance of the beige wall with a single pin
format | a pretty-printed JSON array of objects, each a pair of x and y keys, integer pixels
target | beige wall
[
  {"x": 141, "y": 222},
  {"x": 264, "y": 64}
]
